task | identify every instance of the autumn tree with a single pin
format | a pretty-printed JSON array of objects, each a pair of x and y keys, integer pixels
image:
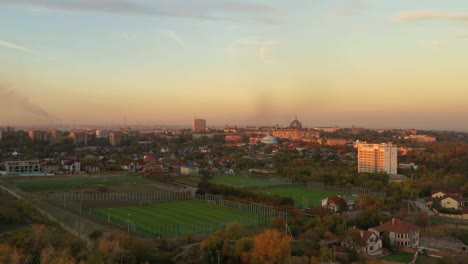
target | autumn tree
[
  {"x": 271, "y": 246},
  {"x": 219, "y": 244},
  {"x": 243, "y": 249}
]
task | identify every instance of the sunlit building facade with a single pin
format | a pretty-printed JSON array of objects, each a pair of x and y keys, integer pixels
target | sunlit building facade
[
  {"x": 199, "y": 125},
  {"x": 38, "y": 135},
  {"x": 374, "y": 158},
  {"x": 79, "y": 138},
  {"x": 115, "y": 138}
]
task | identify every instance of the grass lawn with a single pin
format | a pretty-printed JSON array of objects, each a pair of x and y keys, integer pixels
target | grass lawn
[
  {"x": 244, "y": 181},
  {"x": 399, "y": 256},
  {"x": 69, "y": 183},
  {"x": 182, "y": 217},
  {"x": 303, "y": 197}
]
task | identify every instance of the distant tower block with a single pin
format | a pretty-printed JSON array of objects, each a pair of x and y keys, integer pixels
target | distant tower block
[{"x": 199, "y": 125}]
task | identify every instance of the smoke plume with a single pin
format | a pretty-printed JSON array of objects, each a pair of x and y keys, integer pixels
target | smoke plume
[{"x": 13, "y": 100}]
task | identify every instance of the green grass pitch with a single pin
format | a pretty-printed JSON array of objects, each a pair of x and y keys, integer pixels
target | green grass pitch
[
  {"x": 399, "y": 256},
  {"x": 299, "y": 194},
  {"x": 182, "y": 217},
  {"x": 244, "y": 181},
  {"x": 68, "y": 184}
]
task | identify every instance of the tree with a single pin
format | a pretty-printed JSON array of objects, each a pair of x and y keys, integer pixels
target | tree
[
  {"x": 421, "y": 218},
  {"x": 369, "y": 202},
  {"x": 243, "y": 249},
  {"x": 271, "y": 246},
  {"x": 210, "y": 247}
]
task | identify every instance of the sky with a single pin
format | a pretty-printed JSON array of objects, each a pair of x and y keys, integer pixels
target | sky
[{"x": 369, "y": 63}]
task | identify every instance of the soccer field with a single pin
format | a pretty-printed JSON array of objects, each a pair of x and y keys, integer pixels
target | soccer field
[
  {"x": 70, "y": 183},
  {"x": 303, "y": 197},
  {"x": 246, "y": 181},
  {"x": 180, "y": 217}
]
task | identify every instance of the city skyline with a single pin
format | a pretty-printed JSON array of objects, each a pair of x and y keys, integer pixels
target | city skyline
[{"x": 367, "y": 63}]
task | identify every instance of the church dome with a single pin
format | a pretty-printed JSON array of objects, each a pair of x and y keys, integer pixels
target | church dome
[
  {"x": 295, "y": 124},
  {"x": 269, "y": 140}
]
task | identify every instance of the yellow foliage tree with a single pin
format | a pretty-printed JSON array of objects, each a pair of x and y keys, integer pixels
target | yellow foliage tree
[{"x": 270, "y": 247}]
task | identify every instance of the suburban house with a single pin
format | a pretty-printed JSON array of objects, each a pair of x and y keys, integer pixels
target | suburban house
[
  {"x": 334, "y": 203},
  {"x": 402, "y": 234},
  {"x": 71, "y": 166},
  {"x": 371, "y": 241},
  {"x": 448, "y": 199},
  {"x": 128, "y": 166},
  {"x": 449, "y": 192}
]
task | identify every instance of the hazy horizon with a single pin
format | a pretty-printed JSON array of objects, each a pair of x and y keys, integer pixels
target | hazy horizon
[{"x": 369, "y": 63}]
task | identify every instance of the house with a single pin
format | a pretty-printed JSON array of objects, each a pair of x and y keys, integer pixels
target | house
[
  {"x": 452, "y": 198},
  {"x": 450, "y": 201},
  {"x": 164, "y": 149},
  {"x": 71, "y": 166},
  {"x": 189, "y": 168},
  {"x": 451, "y": 191},
  {"x": 372, "y": 243},
  {"x": 334, "y": 203},
  {"x": 401, "y": 233},
  {"x": 128, "y": 166}
]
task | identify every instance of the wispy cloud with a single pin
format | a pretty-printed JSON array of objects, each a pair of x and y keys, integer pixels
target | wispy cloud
[
  {"x": 262, "y": 47},
  {"x": 203, "y": 9},
  {"x": 431, "y": 44},
  {"x": 176, "y": 38},
  {"x": 353, "y": 8},
  {"x": 14, "y": 46},
  {"x": 429, "y": 15}
]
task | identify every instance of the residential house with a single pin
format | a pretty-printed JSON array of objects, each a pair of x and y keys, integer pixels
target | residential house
[
  {"x": 452, "y": 198},
  {"x": 372, "y": 243},
  {"x": 401, "y": 233},
  {"x": 71, "y": 166},
  {"x": 450, "y": 201},
  {"x": 334, "y": 203}
]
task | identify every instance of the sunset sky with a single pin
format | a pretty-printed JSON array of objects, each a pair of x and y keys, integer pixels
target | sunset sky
[{"x": 371, "y": 63}]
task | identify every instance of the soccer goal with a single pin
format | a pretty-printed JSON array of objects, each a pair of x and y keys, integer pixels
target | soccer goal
[{"x": 145, "y": 203}]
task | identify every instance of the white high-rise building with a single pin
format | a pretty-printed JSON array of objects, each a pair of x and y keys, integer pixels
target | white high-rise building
[{"x": 377, "y": 157}]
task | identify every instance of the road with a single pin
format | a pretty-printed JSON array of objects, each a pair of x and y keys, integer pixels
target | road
[{"x": 421, "y": 204}]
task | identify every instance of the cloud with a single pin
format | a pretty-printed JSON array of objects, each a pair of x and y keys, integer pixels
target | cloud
[
  {"x": 432, "y": 44},
  {"x": 354, "y": 8},
  {"x": 204, "y": 10},
  {"x": 262, "y": 47},
  {"x": 12, "y": 99},
  {"x": 14, "y": 46},
  {"x": 430, "y": 15},
  {"x": 462, "y": 36},
  {"x": 176, "y": 38}
]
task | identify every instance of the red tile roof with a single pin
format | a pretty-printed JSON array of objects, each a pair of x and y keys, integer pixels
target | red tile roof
[
  {"x": 397, "y": 226},
  {"x": 365, "y": 233}
]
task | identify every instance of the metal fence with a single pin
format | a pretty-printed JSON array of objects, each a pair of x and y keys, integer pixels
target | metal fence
[
  {"x": 259, "y": 213},
  {"x": 354, "y": 190},
  {"x": 169, "y": 196},
  {"x": 253, "y": 208}
]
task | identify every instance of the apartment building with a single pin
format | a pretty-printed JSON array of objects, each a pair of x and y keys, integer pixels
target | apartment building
[{"x": 377, "y": 157}]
